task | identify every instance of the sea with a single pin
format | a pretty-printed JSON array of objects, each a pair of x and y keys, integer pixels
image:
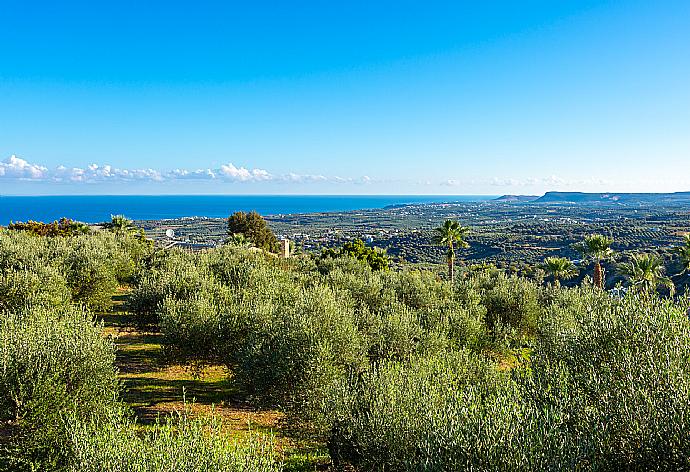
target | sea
[{"x": 99, "y": 208}]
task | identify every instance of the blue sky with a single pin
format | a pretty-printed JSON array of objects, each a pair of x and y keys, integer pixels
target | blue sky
[{"x": 344, "y": 97}]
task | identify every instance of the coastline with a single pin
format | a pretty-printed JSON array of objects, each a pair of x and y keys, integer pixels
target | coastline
[{"x": 97, "y": 208}]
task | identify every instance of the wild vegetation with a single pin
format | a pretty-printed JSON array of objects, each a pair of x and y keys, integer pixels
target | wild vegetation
[
  {"x": 376, "y": 258},
  {"x": 253, "y": 228},
  {"x": 464, "y": 368}
]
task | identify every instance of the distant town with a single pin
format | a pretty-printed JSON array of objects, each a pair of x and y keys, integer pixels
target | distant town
[{"x": 509, "y": 231}]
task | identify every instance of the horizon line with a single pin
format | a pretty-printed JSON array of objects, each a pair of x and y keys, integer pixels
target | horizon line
[
  {"x": 257, "y": 195},
  {"x": 498, "y": 195}
]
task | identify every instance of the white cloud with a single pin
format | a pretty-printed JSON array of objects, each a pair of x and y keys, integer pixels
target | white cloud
[
  {"x": 199, "y": 174},
  {"x": 97, "y": 173},
  {"x": 300, "y": 178},
  {"x": 16, "y": 168},
  {"x": 19, "y": 169},
  {"x": 242, "y": 174}
]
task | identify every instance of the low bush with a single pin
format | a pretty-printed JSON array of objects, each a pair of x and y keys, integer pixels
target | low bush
[
  {"x": 399, "y": 370},
  {"x": 607, "y": 390},
  {"x": 20, "y": 289},
  {"x": 63, "y": 227},
  {"x": 292, "y": 354},
  {"x": 91, "y": 274},
  {"x": 20, "y": 251},
  {"x": 177, "y": 444},
  {"x": 55, "y": 365},
  {"x": 612, "y": 390},
  {"x": 92, "y": 266},
  {"x": 175, "y": 276},
  {"x": 375, "y": 258},
  {"x": 451, "y": 412},
  {"x": 511, "y": 303}
]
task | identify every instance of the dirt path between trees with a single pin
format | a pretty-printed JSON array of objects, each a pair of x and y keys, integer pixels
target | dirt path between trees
[{"x": 154, "y": 388}]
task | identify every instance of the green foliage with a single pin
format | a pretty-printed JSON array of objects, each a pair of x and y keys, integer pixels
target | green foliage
[
  {"x": 43, "y": 285},
  {"x": 396, "y": 370},
  {"x": 63, "y": 227},
  {"x": 91, "y": 273},
  {"x": 36, "y": 270},
  {"x": 120, "y": 224},
  {"x": 289, "y": 332},
  {"x": 684, "y": 253},
  {"x": 374, "y": 257},
  {"x": 239, "y": 239},
  {"x": 176, "y": 444},
  {"x": 512, "y": 304},
  {"x": 55, "y": 365},
  {"x": 451, "y": 235},
  {"x": 175, "y": 277},
  {"x": 611, "y": 391},
  {"x": 646, "y": 272},
  {"x": 560, "y": 268},
  {"x": 254, "y": 228},
  {"x": 298, "y": 349},
  {"x": 451, "y": 412},
  {"x": 596, "y": 246},
  {"x": 607, "y": 391}
]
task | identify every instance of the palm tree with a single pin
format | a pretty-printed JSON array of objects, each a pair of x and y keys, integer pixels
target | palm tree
[
  {"x": 597, "y": 247},
  {"x": 561, "y": 268},
  {"x": 240, "y": 240},
  {"x": 80, "y": 228},
  {"x": 646, "y": 273},
  {"x": 120, "y": 224},
  {"x": 451, "y": 234},
  {"x": 684, "y": 252}
]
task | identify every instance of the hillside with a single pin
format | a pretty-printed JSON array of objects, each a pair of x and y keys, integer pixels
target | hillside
[
  {"x": 678, "y": 198},
  {"x": 517, "y": 198}
]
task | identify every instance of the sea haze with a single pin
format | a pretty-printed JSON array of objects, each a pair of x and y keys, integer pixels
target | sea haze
[{"x": 98, "y": 208}]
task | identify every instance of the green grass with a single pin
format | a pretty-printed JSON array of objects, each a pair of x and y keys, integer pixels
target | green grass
[{"x": 153, "y": 386}]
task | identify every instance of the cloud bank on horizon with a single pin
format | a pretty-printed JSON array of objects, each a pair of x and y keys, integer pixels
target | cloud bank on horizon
[{"x": 16, "y": 170}]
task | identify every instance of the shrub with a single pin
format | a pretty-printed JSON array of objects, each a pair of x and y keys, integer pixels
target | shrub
[
  {"x": 19, "y": 251},
  {"x": 452, "y": 412},
  {"x": 91, "y": 273},
  {"x": 612, "y": 390},
  {"x": 55, "y": 364},
  {"x": 43, "y": 285},
  {"x": 175, "y": 276},
  {"x": 63, "y": 227},
  {"x": 246, "y": 270},
  {"x": 192, "y": 329},
  {"x": 374, "y": 257},
  {"x": 511, "y": 303},
  {"x": 177, "y": 444},
  {"x": 607, "y": 390},
  {"x": 288, "y": 335},
  {"x": 296, "y": 349},
  {"x": 397, "y": 334},
  {"x": 286, "y": 344},
  {"x": 420, "y": 289},
  {"x": 92, "y": 265},
  {"x": 368, "y": 290},
  {"x": 232, "y": 292},
  {"x": 460, "y": 319}
]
